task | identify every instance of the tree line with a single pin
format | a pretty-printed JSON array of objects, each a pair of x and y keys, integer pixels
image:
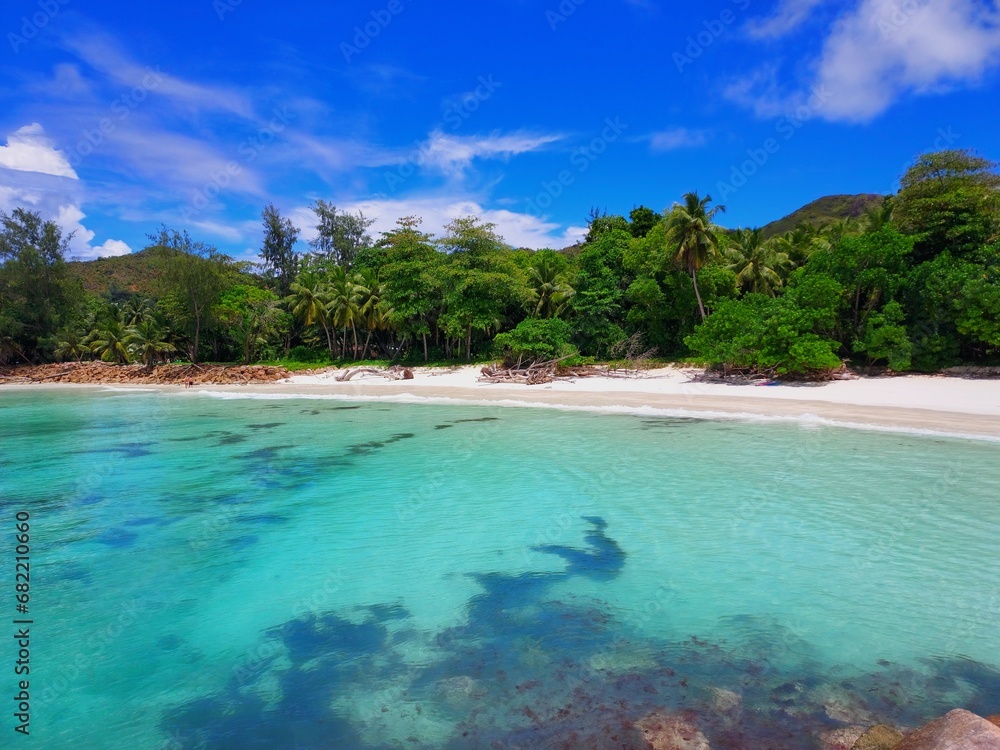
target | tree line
[{"x": 914, "y": 284}]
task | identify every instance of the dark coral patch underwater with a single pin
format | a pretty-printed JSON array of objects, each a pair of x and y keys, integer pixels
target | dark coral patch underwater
[{"x": 527, "y": 669}]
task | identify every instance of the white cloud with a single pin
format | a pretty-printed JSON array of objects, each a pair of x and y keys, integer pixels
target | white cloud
[
  {"x": 787, "y": 17},
  {"x": 518, "y": 229},
  {"x": 758, "y": 90},
  {"x": 57, "y": 198},
  {"x": 676, "y": 138},
  {"x": 111, "y": 248},
  {"x": 69, "y": 218},
  {"x": 453, "y": 154},
  {"x": 29, "y": 150},
  {"x": 876, "y": 53},
  {"x": 887, "y": 49}
]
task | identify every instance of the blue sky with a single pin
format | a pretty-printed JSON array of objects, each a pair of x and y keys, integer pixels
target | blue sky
[{"x": 118, "y": 117}]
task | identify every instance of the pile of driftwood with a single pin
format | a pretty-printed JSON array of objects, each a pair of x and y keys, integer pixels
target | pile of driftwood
[
  {"x": 734, "y": 375},
  {"x": 535, "y": 373},
  {"x": 538, "y": 373},
  {"x": 396, "y": 372}
]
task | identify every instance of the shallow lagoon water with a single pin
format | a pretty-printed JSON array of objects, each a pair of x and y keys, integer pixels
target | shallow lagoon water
[{"x": 308, "y": 573}]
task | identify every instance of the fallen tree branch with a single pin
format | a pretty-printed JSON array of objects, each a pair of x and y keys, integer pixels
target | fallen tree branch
[{"x": 396, "y": 372}]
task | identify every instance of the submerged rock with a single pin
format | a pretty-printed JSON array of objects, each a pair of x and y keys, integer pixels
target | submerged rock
[
  {"x": 665, "y": 731},
  {"x": 843, "y": 706},
  {"x": 879, "y": 737},
  {"x": 726, "y": 701},
  {"x": 956, "y": 730},
  {"x": 727, "y": 705},
  {"x": 994, "y": 719},
  {"x": 841, "y": 739},
  {"x": 460, "y": 689}
]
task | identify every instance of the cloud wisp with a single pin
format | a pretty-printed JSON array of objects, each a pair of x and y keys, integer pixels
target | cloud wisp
[{"x": 875, "y": 54}]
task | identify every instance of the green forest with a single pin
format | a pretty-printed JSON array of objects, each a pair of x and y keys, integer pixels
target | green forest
[{"x": 913, "y": 283}]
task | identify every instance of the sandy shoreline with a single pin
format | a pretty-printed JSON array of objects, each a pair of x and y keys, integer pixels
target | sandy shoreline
[{"x": 946, "y": 405}]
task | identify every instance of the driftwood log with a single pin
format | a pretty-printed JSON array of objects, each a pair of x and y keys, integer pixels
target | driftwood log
[
  {"x": 393, "y": 373},
  {"x": 534, "y": 374}
]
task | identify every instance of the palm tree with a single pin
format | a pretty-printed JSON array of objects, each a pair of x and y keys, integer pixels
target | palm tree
[
  {"x": 342, "y": 303},
  {"x": 372, "y": 308},
  {"x": 308, "y": 302},
  {"x": 108, "y": 342},
  {"x": 878, "y": 217},
  {"x": 146, "y": 341},
  {"x": 549, "y": 289},
  {"x": 136, "y": 310},
  {"x": 9, "y": 347},
  {"x": 691, "y": 236},
  {"x": 758, "y": 266},
  {"x": 71, "y": 343},
  {"x": 801, "y": 242},
  {"x": 837, "y": 230}
]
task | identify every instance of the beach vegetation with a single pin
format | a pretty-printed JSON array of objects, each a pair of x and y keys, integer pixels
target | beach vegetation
[{"x": 903, "y": 282}]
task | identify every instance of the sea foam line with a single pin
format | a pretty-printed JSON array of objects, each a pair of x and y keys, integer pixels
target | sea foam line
[{"x": 807, "y": 420}]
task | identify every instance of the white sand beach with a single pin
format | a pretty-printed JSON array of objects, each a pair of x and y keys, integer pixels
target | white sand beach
[{"x": 915, "y": 402}]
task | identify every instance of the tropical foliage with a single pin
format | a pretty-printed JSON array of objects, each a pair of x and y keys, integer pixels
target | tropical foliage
[{"x": 910, "y": 281}]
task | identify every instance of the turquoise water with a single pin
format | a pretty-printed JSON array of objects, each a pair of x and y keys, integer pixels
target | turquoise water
[{"x": 296, "y": 573}]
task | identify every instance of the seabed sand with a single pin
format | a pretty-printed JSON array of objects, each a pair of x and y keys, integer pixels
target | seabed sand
[{"x": 915, "y": 403}]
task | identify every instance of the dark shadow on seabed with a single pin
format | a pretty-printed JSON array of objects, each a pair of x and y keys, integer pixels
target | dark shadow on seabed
[{"x": 529, "y": 671}]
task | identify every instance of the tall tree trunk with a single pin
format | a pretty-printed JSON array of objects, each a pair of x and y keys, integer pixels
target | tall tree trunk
[
  {"x": 329, "y": 341},
  {"x": 364, "y": 353},
  {"x": 468, "y": 343},
  {"x": 426, "y": 358},
  {"x": 354, "y": 332},
  {"x": 701, "y": 307}
]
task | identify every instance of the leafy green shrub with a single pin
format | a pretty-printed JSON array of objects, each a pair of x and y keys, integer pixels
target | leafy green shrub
[
  {"x": 783, "y": 336},
  {"x": 885, "y": 339},
  {"x": 535, "y": 339}
]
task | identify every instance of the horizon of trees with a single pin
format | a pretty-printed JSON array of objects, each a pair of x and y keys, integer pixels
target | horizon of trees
[{"x": 914, "y": 284}]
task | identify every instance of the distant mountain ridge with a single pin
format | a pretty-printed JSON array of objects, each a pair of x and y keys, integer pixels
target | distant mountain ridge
[{"x": 822, "y": 210}]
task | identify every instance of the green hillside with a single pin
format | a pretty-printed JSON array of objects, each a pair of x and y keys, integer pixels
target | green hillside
[
  {"x": 826, "y": 209},
  {"x": 134, "y": 273}
]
